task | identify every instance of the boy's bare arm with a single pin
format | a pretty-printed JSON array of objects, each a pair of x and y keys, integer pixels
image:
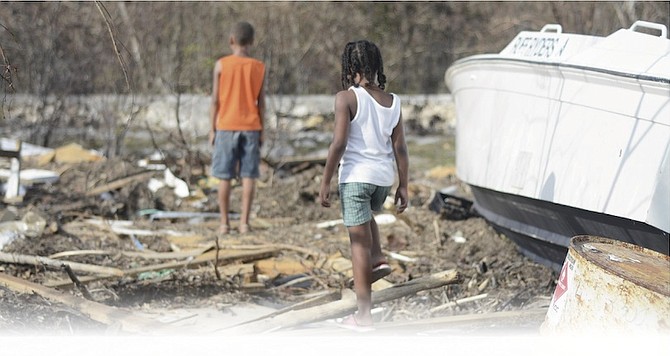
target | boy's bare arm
[
  {"x": 402, "y": 161},
  {"x": 343, "y": 102},
  {"x": 214, "y": 107},
  {"x": 261, "y": 111}
]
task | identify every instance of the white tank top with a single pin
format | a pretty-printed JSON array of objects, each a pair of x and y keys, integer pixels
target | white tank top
[{"x": 369, "y": 157}]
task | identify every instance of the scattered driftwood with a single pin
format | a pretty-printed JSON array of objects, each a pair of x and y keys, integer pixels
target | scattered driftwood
[
  {"x": 82, "y": 288},
  {"x": 225, "y": 257},
  {"x": 99, "y": 312},
  {"x": 79, "y": 253},
  {"x": 399, "y": 257},
  {"x": 230, "y": 270},
  {"x": 39, "y": 260},
  {"x": 498, "y": 317},
  {"x": 151, "y": 255},
  {"x": 345, "y": 306},
  {"x": 148, "y": 255},
  {"x": 75, "y": 206},
  {"x": 438, "y": 235},
  {"x": 120, "y": 183},
  {"x": 287, "y": 247},
  {"x": 459, "y": 302},
  {"x": 319, "y": 299},
  {"x": 228, "y": 256},
  {"x": 298, "y": 163}
]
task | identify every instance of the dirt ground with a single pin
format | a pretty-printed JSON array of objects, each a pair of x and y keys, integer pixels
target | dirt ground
[{"x": 422, "y": 241}]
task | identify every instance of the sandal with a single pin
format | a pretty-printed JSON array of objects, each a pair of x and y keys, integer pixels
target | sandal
[
  {"x": 245, "y": 228},
  {"x": 224, "y": 230},
  {"x": 351, "y": 323},
  {"x": 378, "y": 272}
]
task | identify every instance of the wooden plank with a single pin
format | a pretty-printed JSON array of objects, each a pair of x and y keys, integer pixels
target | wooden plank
[
  {"x": 80, "y": 253},
  {"x": 534, "y": 313},
  {"x": 99, "y": 312},
  {"x": 299, "y": 249},
  {"x": 169, "y": 255},
  {"x": 229, "y": 256},
  {"x": 229, "y": 270},
  {"x": 225, "y": 257},
  {"x": 292, "y": 161},
  {"x": 346, "y": 305},
  {"x": 39, "y": 260},
  {"x": 459, "y": 302},
  {"x": 319, "y": 299},
  {"x": 148, "y": 255},
  {"x": 273, "y": 267},
  {"x": 119, "y": 183}
]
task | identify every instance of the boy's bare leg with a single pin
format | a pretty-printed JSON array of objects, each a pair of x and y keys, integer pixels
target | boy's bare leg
[
  {"x": 361, "y": 242},
  {"x": 248, "y": 189},
  {"x": 224, "y": 200}
]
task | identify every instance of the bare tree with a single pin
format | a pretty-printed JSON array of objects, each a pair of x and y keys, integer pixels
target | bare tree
[
  {"x": 60, "y": 49},
  {"x": 7, "y": 74}
]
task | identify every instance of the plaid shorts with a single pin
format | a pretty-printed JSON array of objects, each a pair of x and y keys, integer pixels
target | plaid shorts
[{"x": 359, "y": 200}]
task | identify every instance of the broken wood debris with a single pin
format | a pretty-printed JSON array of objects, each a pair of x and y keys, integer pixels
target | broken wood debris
[
  {"x": 536, "y": 313},
  {"x": 320, "y": 298},
  {"x": 229, "y": 270},
  {"x": 119, "y": 183},
  {"x": 78, "y": 253},
  {"x": 127, "y": 320},
  {"x": 149, "y": 255},
  {"x": 400, "y": 257},
  {"x": 344, "y": 306},
  {"x": 75, "y": 266},
  {"x": 82, "y": 288},
  {"x": 459, "y": 302},
  {"x": 297, "y": 163},
  {"x": 305, "y": 251}
]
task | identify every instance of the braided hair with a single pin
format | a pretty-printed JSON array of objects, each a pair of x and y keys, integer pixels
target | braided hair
[{"x": 365, "y": 58}]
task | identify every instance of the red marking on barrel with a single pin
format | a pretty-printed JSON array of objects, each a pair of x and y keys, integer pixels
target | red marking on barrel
[{"x": 562, "y": 285}]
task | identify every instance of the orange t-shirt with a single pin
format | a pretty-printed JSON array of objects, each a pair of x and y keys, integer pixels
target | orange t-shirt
[{"x": 240, "y": 84}]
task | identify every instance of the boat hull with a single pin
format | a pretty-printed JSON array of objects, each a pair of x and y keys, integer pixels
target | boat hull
[
  {"x": 562, "y": 135},
  {"x": 543, "y": 229}
]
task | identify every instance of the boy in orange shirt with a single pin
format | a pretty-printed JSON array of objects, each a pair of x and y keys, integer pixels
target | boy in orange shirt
[{"x": 238, "y": 106}]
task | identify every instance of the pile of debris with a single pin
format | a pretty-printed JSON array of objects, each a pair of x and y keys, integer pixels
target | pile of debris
[{"x": 108, "y": 237}]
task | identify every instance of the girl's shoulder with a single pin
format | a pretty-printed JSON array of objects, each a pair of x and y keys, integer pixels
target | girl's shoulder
[
  {"x": 346, "y": 101},
  {"x": 345, "y": 95}
]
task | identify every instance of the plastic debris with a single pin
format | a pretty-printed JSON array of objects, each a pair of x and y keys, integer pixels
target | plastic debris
[
  {"x": 458, "y": 237},
  {"x": 32, "y": 225},
  {"x": 180, "y": 186}
]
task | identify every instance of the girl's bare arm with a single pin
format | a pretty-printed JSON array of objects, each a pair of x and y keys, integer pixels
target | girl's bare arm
[
  {"x": 343, "y": 111},
  {"x": 402, "y": 161}
]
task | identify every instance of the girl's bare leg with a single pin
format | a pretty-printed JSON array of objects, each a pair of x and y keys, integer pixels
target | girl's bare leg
[
  {"x": 361, "y": 243},
  {"x": 377, "y": 256}
]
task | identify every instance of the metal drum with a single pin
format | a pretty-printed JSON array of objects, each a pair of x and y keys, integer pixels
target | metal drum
[{"x": 608, "y": 286}]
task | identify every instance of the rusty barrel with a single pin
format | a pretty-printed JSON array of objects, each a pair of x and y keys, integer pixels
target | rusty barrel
[{"x": 609, "y": 287}]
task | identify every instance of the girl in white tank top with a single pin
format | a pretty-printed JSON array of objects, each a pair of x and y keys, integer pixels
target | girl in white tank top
[{"x": 369, "y": 146}]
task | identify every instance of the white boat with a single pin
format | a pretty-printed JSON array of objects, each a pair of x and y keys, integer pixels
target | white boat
[{"x": 563, "y": 134}]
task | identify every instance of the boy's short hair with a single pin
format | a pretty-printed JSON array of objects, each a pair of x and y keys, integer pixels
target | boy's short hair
[{"x": 243, "y": 33}]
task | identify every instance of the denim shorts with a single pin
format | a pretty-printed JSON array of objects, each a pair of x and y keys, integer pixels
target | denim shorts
[
  {"x": 359, "y": 200},
  {"x": 236, "y": 147}
]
